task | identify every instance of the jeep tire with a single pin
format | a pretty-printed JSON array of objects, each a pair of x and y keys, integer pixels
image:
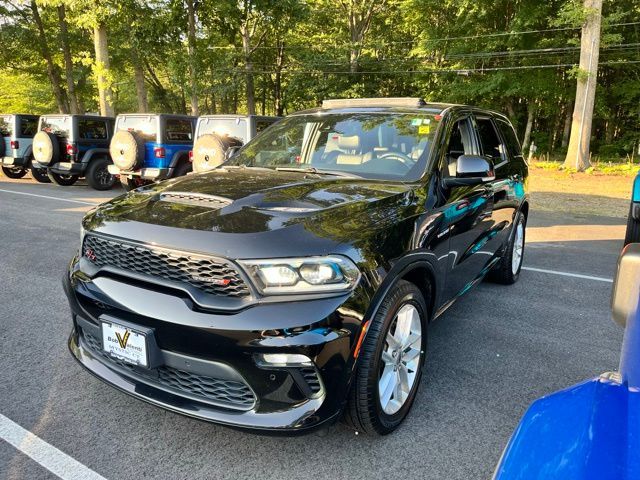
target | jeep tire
[
  {"x": 14, "y": 172},
  {"x": 39, "y": 174},
  {"x": 127, "y": 150},
  {"x": 62, "y": 180},
  {"x": 46, "y": 148},
  {"x": 98, "y": 176},
  {"x": 208, "y": 153}
]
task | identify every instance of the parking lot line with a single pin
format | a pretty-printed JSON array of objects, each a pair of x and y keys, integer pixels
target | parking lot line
[
  {"x": 57, "y": 462},
  {"x": 48, "y": 197},
  {"x": 567, "y": 274}
]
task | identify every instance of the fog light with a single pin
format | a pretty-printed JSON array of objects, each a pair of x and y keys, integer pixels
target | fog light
[{"x": 283, "y": 359}]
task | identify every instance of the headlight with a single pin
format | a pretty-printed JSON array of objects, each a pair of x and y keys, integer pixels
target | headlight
[{"x": 303, "y": 275}]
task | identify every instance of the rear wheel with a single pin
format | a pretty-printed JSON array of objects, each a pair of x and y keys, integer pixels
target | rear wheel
[
  {"x": 98, "y": 176},
  {"x": 14, "y": 172},
  {"x": 182, "y": 169},
  {"x": 40, "y": 175},
  {"x": 63, "y": 180},
  {"x": 633, "y": 228},
  {"x": 390, "y": 362},
  {"x": 507, "y": 271}
]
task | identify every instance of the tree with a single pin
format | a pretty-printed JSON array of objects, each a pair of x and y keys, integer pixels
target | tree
[
  {"x": 68, "y": 62},
  {"x": 580, "y": 140},
  {"x": 191, "y": 43}
]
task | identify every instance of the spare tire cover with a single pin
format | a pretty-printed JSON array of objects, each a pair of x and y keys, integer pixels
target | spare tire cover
[
  {"x": 126, "y": 149},
  {"x": 208, "y": 153},
  {"x": 46, "y": 148}
]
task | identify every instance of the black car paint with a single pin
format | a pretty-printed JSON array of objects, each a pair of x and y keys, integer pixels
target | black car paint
[{"x": 445, "y": 240}]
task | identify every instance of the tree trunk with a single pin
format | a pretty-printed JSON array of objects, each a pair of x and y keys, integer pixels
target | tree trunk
[
  {"x": 277, "y": 87},
  {"x": 566, "y": 131},
  {"x": 52, "y": 70},
  {"x": 105, "y": 93},
  {"x": 579, "y": 142},
  {"x": 68, "y": 62},
  {"x": 526, "y": 139},
  {"x": 141, "y": 86},
  {"x": 248, "y": 69},
  {"x": 191, "y": 42}
]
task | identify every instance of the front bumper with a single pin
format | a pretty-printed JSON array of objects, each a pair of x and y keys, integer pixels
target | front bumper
[
  {"x": 286, "y": 399},
  {"x": 144, "y": 173},
  {"x": 68, "y": 168},
  {"x": 15, "y": 162}
]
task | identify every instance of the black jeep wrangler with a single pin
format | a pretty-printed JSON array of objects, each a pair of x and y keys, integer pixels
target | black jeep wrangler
[
  {"x": 74, "y": 146},
  {"x": 218, "y": 136}
]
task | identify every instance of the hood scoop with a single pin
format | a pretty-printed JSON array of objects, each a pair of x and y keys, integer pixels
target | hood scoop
[{"x": 195, "y": 199}]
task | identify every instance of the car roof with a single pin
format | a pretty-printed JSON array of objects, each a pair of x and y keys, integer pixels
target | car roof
[
  {"x": 150, "y": 114},
  {"x": 85, "y": 115},
  {"x": 392, "y": 105},
  {"x": 233, "y": 115}
]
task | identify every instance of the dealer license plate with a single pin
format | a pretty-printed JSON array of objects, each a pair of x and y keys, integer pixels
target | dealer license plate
[{"x": 124, "y": 343}]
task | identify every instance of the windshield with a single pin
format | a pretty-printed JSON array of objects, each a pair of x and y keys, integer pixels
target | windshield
[
  {"x": 146, "y": 126},
  {"x": 231, "y": 128},
  {"x": 6, "y": 126},
  {"x": 59, "y": 126},
  {"x": 370, "y": 145}
]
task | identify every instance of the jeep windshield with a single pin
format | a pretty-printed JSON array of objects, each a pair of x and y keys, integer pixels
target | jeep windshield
[
  {"x": 146, "y": 126},
  {"x": 60, "y": 126},
  {"x": 387, "y": 146}
]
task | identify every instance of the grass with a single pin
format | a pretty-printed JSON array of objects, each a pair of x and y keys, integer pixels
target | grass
[{"x": 596, "y": 168}]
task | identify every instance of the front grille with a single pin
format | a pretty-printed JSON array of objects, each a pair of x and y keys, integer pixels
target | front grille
[
  {"x": 196, "y": 199},
  {"x": 208, "y": 274},
  {"x": 228, "y": 393},
  {"x": 310, "y": 376}
]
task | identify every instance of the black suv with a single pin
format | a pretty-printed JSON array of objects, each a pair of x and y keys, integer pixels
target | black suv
[
  {"x": 294, "y": 283},
  {"x": 74, "y": 146}
]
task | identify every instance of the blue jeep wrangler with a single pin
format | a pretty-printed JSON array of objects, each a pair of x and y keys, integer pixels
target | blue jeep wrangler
[
  {"x": 74, "y": 146},
  {"x": 633, "y": 222},
  {"x": 151, "y": 147},
  {"x": 17, "y": 132}
]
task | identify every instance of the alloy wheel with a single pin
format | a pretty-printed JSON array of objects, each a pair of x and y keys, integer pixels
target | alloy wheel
[
  {"x": 400, "y": 359},
  {"x": 518, "y": 248}
]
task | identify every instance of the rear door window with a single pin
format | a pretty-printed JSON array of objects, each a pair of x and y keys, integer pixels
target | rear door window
[
  {"x": 92, "y": 130},
  {"x": 145, "y": 126},
  {"x": 489, "y": 140},
  {"x": 6, "y": 126},
  {"x": 510, "y": 138},
  {"x": 59, "y": 126},
  {"x": 178, "y": 130},
  {"x": 28, "y": 127}
]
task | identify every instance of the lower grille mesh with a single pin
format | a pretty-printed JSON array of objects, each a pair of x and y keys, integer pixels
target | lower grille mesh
[{"x": 227, "y": 393}]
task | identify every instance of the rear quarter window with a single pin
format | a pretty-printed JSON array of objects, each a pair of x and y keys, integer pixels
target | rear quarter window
[
  {"x": 92, "y": 130},
  {"x": 28, "y": 127},
  {"x": 6, "y": 126},
  {"x": 178, "y": 130}
]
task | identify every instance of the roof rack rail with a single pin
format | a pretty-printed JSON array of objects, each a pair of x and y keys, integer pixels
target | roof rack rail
[{"x": 374, "y": 102}]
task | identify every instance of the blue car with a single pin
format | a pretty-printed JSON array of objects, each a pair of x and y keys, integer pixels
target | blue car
[
  {"x": 590, "y": 431},
  {"x": 151, "y": 147},
  {"x": 633, "y": 222}
]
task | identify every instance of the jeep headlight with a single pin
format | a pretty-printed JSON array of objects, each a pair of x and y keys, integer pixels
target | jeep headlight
[{"x": 333, "y": 273}]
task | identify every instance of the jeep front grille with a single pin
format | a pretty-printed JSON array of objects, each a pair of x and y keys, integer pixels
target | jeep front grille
[{"x": 208, "y": 274}]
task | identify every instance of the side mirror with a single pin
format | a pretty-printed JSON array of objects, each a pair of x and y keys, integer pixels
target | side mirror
[
  {"x": 471, "y": 170},
  {"x": 626, "y": 288}
]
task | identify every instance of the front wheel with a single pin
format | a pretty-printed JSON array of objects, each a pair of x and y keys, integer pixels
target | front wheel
[
  {"x": 14, "y": 172},
  {"x": 507, "y": 271},
  {"x": 63, "y": 180},
  {"x": 390, "y": 362},
  {"x": 98, "y": 176},
  {"x": 633, "y": 228}
]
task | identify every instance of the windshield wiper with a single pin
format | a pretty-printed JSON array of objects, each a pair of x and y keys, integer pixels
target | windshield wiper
[{"x": 335, "y": 173}]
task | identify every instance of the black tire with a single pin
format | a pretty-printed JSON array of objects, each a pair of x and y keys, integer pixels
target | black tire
[
  {"x": 364, "y": 411},
  {"x": 40, "y": 174},
  {"x": 14, "y": 172},
  {"x": 97, "y": 175},
  {"x": 62, "y": 180},
  {"x": 3, "y": 146},
  {"x": 633, "y": 228},
  {"x": 182, "y": 169},
  {"x": 503, "y": 272}
]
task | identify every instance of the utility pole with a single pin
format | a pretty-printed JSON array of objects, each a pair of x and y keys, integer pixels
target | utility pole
[{"x": 578, "y": 152}]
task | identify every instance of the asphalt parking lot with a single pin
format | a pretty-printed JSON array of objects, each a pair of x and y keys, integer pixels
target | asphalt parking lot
[{"x": 490, "y": 356}]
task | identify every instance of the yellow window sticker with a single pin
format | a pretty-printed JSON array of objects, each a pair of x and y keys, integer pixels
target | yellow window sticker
[{"x": 424, "y": 129}]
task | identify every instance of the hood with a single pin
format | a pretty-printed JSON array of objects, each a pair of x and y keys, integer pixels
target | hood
[{"x": 253, "y": 203}]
